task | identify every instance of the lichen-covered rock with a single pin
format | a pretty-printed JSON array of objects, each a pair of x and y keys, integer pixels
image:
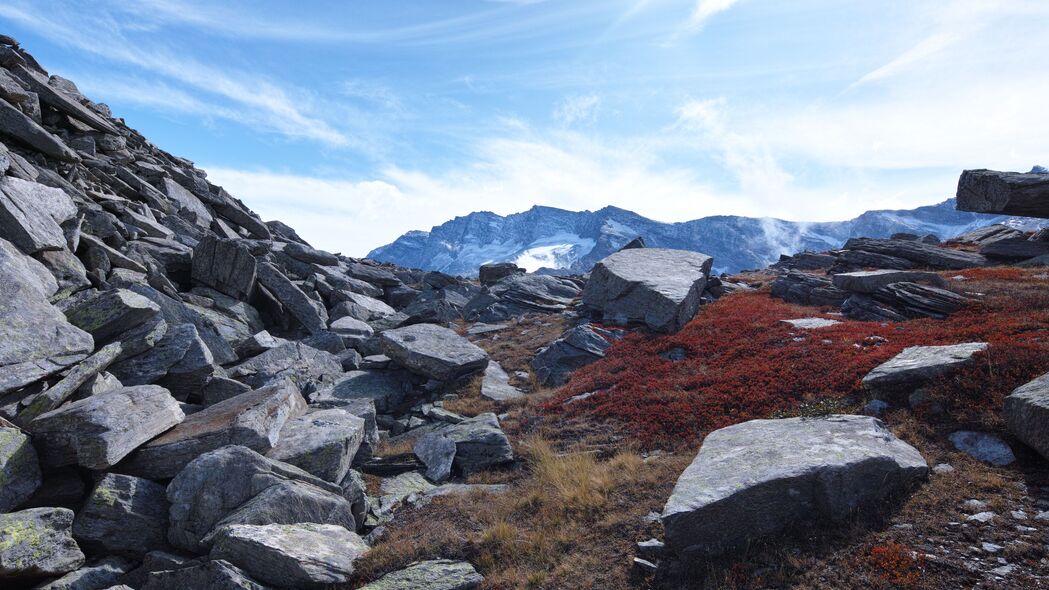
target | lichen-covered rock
[
  {"x": 304, "y": 555},
  {"x": 479, "y": 444},
  {"x": 31, "y": 215},
  {"x": 102, "y": 574},
  {"x": 322, "y": 443},
  {"x": 1027, "y": 414},
  {"x": 226, "y": 266},
  {"x": 36, "y": 543},
  {"x": 310, "y": 369},
  {"x": 438, "y": 574},
  {"x": 123, "y": 515},
  {"x": 918, "y": 365},
  {"x": 210, "y": 574},
  {"x": 386, "y": 389},
  {"x": 19, "y": 469},
  {"x": 433, "y": 351},
  {"x": 111, "y": 313}
]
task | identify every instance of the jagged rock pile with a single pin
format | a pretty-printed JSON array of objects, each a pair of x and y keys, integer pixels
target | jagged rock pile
[{"x": 187, "y": 392}]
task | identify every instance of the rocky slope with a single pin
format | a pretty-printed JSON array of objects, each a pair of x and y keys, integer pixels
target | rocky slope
[{"x": 572, "y": 242}]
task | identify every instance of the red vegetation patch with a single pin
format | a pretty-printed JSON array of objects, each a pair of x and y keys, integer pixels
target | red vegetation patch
[
  {"x": 896, "y": 565},
  {"x": 742, "y": 363}
]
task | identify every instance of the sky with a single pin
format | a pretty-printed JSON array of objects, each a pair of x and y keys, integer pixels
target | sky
[{"x": 355, "y": 121}]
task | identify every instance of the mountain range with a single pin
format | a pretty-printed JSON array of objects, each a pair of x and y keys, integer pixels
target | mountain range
[{"x": 547, "y": 239}]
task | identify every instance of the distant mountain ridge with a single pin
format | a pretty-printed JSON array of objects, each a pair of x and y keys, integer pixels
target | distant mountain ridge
[{"x": 563, "y": 241}]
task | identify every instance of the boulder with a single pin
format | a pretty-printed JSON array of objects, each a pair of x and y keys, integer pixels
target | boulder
[
  {"x": 1004, "y": 193},
  {"x": 61, "y": 102},
  {"x": 433, "y": 351},
  {"x": 124, "y": 515},
  {"x": 18, "y": 126},
  {"x": 310, "y": 369},
  {"x": 656, "y": 287},
  {"x": 870, "y": 281},
  {"x": 919, "y": 365},
  {"x": 102, "y": 574},
  {"x": 574, "y": 349},
  {"x": 496, "y": 384},
  {"x": 983, "y": 446},
  {"x": 85, "y": 371},
  {"x": 31, "y": 214},
  {"x": 235, "y": 485},
  {"x": 519, "y": 294},
  {"x": 358, "y": 306},
  {"x": 310, "y": 314},
  {"x": 807, "y": 289},
  {"x": 19, "y": 469},
  {"x": 919, "y": 253},
  {"x": 1027, "y": 414},
  {"x": 181, "y": 357},
  {"x": 797, "y": 470},
  {"x": 1015, "y": 249},
  {"x": 226, "y": 266},
  {"x": 811, "y": 323},
  {"x": 386, "y": 389},
  {"x": 322, "y": 443},
  {"x": 109, "y": 314},
  {"x": 351, "y": 330},
  {"x": 213, "y": 575},
  {"x": 98, "y": 431},
  {"x": 903, "y": 301},
  {"x": 438, "y": 574},
  {"x": 437, "y": 452},
  {"x": 479, "y": 444},
  {"x": 252, "y": 419},
  {"x": 305, "y": 253},
  {"x": 302, "y": 555},
  {"x": 987, "y": 235},
  {"x": 36, "y": 543},
  {"x": 494, "y": 272}
]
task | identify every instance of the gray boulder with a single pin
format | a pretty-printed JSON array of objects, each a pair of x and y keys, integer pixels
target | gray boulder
[
  {"x": 302, "y": 555},
  {"x": 806, "y": 289},
  {"x": 123, "y": 515},
  {"x": 797, "y": 470},
  {"x": 102, "y": 574},
  {"x": 656, "y": 287},
  {"x": 438, "y": 574},
  {"x": 310, "y": 314},
  {"x": 180, "y": 355},
  {"x": 31, "y": 214},
  {"x": 479, "y": 444},
  {"x": 252, "y": 419},
  {"x": 358, "y": 306},
  {"x": 493, "y": 272},
  {"x": 869, "y": 281},
  {"x": 79, "y": 375},
  {"x": 437, "y": 452},
  {"x": 305, "y": 253},
  {"x": 1015, "y": 249},
  {"x": 226, "y": 266},
  {"x": 351, "y": 330},
  {"x": 309, "y": 368},
  {"x": 919, "y": 253},
  {"x": 386, "y": 389},
  {"x": 983, "y": 446},
  {"x": 37, "y": 543},
  {"x": 433, "y": 351},
  {"x": 496, "y": 384},
  {"x": 19, "y": 469},
  {"x": 111, "y": 313},
  {"x": 1027, "y": 414},
  {"x": 1004, "y": 193},
  {"x": 213, "y": 575},
  {"x": 322, "y": 443},
  {"x": 576, "y": 348},
  {"x": 987, "y": 235},
  {"x": 98, "y": 431},
  {"x": 14, "y": 124},
  {"x": 917, "y": 366}
]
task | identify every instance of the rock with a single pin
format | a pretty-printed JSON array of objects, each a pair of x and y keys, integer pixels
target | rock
[
  {"x": 437, "y": 452},
  {"x": 252, "y": 419},
  {"x": 36, "y": 543},
  {"x": 212, "y": 326},
  {"x": 17, "y": 126},
  {"x": 656, "y": 287},
  {"x": 918, "y": 365},
  {"x": 59, "y": 101},
  {"x": 226, "y": 266},
  {"x": 123, "y": 515},
  {"x": 1015, "y": 249},
  {"x": 36, "y": 340},
  {"x": 987, "y": 235},
  {"x": 494, "y": 272},
  {"x": 19, "y": 469},
  {"x": 31, "y": 214},
  {"x": 520, "y": 294},
  {"x": 310, "y": 369},
  {"x": 872, "y": 280},
  {"x": 903, "y": 301},
  {"x": 805, "y": 289},
  {"x": 385, "y": 388},
  {"x": 361, "y": 307},
  {"x": 258, "y": 344},
  {"x": 811, "y": 323},
  {"x": 291, "y": 556},
  {"x": 322, "y": 443},
  {"x": 1027, "y": 414},
  {"x": 651, "y": 549},
  {"x": 806, "y": 261},
  {"x": 798, "y": 470},
  {"x": 66, "y": 268},
  {"x": 304, "y": 253},
  {"x": 919, "y": 253},
  {"x": 496, "y": 384},
  {"x": 983, "y": 446},
  {"x": 438, "y": 574},
  {"x": 111, "y": 313},
  {"x": 1003, "y": 193},
  {"x": 181, "y": 357},
  {"x": 351, "y": 330},
  {"x": 479, "y": 444},
  {"x": 433, "y": 351},
  {"x": 97, "y": 432},
  {"x": 103, "y": 574},
  {"x": 574, "y": 349},
  {"x": 213, "y": 575},
  {"x": 312, "y": 316}
]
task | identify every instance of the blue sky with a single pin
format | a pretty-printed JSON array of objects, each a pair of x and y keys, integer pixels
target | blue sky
[{"x": 355, "y": 121}]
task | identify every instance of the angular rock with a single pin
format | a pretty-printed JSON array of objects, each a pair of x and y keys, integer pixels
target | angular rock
[
  {"x": 226, "y": 266},
  {"x": 258, "y": 343},
  {"x": 180, "y": 360},
  {"x": 36, "y": 543},
  {"x": 17, "y": 126},
  {"x": 61, "y": 102},
  {"x": 872, "y": 280},
  {"x": 919, "y": 253},
  {"x": 358, "y": 306},
  {"x": 322, "y": 443},
  {"x": 479, "y": 444},
  {"x": 1027, "y": 414},
  {"x": 657, "y": 287},
  {"x": 806, "y": 289},
  {"x": 576, "y": 348},
  {"x": 918, "y": 365},
  {"x": 1015, "y": 249},
  {"x": 494, "y": 272},
  {"x": 387, "y": 389},
  {"x": 112, "y": 313},
  {"x": 305, "y": 253},
  {"x": 99, "y": 431},
  {"x": 1004, "y": 193},
  {"x": 124, "y": 515},
  {"x": 253, "y": 420},
  {"x": 983, "y": 446},
  {"x": 291, "y": 556},
  {"x": 798, "y": 470},
  {"x": 433, "y": 351},
  {"x": 351, "y": 330},
  {"x": 311, "y": 315},
  {"x": 31, "y": 214},
  {"x": 19, "y": 469},
  {"x": 811, "y": 323},
  {"x": 438, "y": 574},
  {"x": 307, "y": 367},
  {"x": 496, "y": 384},
  {"x": 987, "y": 235},
  {"x": 213, "y": 575},
  {"x": 437, "y": 452},
  {"x": 103, "y": 574}
]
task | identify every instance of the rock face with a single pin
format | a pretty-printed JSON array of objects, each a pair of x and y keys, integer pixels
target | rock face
[
  {"x": 19, "y": 469},
  {"x": 224, "y": 265},
  {"x": 98, "y": 431},
  {"x": 433, "y": 351},
  {"x": 36, "y": 543},
  {"x": 1011, "y": 193},
  {"x": 1027, "y": 414},
  {"x": 123, "y": 515},
  {"x": 322, "y": 443},
  {"x": 762, "y": 478},
  {"x": 291, "y": 556},
  {"x": 919, "y": 253},
  {"x": 652, "y": 286},
  {"x": 439, "y": 574},
  {"x": 918, "y": 365}
]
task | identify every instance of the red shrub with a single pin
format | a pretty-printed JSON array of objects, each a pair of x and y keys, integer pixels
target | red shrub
[
  {"x": 896, "y": 565},
  {"x": 743, "y": 363}
]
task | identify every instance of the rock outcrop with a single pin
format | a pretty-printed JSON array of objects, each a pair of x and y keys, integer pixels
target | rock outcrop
[{"x": 1011, "y": 193}]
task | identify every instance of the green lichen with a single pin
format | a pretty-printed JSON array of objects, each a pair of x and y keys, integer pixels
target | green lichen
[{"x": 22, "y": 543}]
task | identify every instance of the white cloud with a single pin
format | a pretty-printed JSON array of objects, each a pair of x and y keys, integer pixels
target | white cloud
[
  {"x": 704, "y": 10},
  {"x": 577, "y": 109}
]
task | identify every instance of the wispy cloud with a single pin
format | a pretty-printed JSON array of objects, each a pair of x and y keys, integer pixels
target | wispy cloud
[
  {"x": 704, "y": 10},
  {"x": 577, "y": 109}
]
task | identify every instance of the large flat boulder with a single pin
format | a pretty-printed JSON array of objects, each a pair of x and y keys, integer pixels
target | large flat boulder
[
  {"x": 309, "y": 368},
  {"x": 302, "y": 555},
  {"x": 919, "y": 365},
  {"x": 869, "y": 281},
  {"x": 210, "y": 574},
  {"x": 111, "y": 313},
  {"x": 433, "y": 351},
  {"x": 764, "y": 477},
  {"x": 386, "y": 389},
  {"x": 1027, "y": 414},
  {"x": 919, "y": 253},
  {"x": 803, "y": 288},
  {"x": 31, "y": 214},
  {"x": 19, "y": 469},
  {"x": 657, "y": 287},
  {"x": 252, "y": 419},
  {"x": 36, "y": 543},
  {"x": 1004, "y": 193},
  {"x": 479, "y": 444},
  {"x": 437, "y": 574},
  {"x": 124, "y": 515},
  {"x": 322, "y": 443},
  {"x": 99, "y": 431}
]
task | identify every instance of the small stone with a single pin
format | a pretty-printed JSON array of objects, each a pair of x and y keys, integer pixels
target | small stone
[
  {"x": 943, "y": 468},
  {"x": 983, "y": 446},
  {"x": 983, "y": 517},
  {"x": 991, "y": 547}
]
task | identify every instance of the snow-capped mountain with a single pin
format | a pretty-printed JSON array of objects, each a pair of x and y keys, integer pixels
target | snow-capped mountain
[{"x": 572, "y": 241}]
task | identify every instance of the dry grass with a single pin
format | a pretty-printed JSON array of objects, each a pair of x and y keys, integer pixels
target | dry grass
[{"x": 515, "y": 346}]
